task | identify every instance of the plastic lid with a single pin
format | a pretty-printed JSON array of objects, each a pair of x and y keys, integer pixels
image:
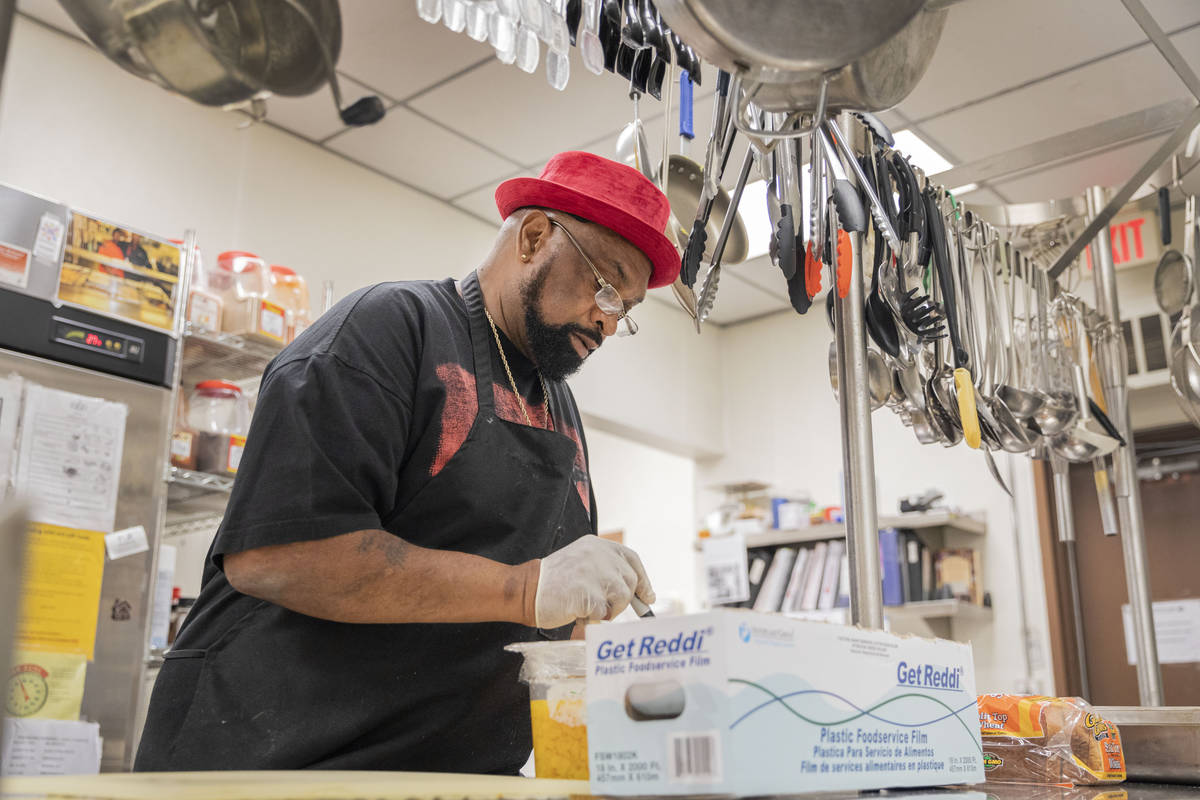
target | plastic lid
[
  {"x": 225, "y": 260},
  {"x": 279, "y": 269},
  {"x": 223, "y": 385},
  {"x": 176, "y": 593}
]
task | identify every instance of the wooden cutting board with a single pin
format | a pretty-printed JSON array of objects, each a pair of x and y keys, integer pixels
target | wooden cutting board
[{"x": 290, "y": 785}]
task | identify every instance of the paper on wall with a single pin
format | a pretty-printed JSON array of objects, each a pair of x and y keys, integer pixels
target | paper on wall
[
  {"x": 10, "y": 413},
  {"x": 48, "y": 243},
  {"x": 160, "y": 611},
  {"x": 50, "y": 747},
  {"x": 126, "y": 542},
  {"x": 60, "y": 592},
  {"x": 1176, "y": 631},
  {"x": 46, "y": 685},
  {"x": 725, "y": 571},
  {"x": 70, "y": 465}
]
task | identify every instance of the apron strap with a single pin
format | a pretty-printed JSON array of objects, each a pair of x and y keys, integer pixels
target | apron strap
[{"x": 481, "y": 343}]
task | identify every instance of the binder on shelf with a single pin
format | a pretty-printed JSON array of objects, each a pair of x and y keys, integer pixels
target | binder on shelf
[
  {"x": 927, "y": 585},
  {"x": 889, "y": 554},
  {"x": 833, "y": 571},
  {"x": 843, "y": 592},
  {"x": 791, "y": 597},
  {"x": 813, "y": 574},
  {"x": 914, "y": 588},
  {"x": 757, "y": 562},
  {"x": 771, "y": 594}
]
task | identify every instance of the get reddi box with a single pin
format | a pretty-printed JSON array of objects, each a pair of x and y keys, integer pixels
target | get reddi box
[{"x": 736, "y": 702}]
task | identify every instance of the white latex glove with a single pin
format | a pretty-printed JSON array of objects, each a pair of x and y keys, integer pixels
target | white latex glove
[{"x": 591, "y": 578}]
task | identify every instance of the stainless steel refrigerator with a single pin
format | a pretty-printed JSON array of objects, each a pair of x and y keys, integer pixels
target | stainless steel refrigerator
[{"x": 89, "y": 352}]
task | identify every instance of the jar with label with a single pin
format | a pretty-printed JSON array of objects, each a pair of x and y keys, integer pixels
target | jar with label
[
  {"x": 220, "y": 414},
  {"x": 183, "y": 439},
  {"x": 241, "y": 281},
  {"x": 290, "y": 291},
  {"x": 204, "y": 303}
]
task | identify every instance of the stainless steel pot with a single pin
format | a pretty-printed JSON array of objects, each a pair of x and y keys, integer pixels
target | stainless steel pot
[
  {"x": 236, "y": 52},
  {"x": 872, "y": 52}
]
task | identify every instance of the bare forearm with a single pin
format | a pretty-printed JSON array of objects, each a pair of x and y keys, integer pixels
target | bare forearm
[{"x": 372, "y": 576}]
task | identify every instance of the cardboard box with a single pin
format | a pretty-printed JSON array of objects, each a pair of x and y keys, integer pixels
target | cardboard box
[{"x": 739, "y": 702}]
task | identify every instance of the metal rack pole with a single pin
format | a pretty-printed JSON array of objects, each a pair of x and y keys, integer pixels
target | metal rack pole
[
  {"x": 1113, "y": 359},
  {"x": 858, "y": 447}
]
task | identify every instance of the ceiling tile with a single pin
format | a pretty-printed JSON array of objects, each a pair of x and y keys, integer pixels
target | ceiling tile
[
  {"x": 981, "y": 197},
  {"x": 1112, "y": 169},
  {"x": 422, "y": 154},
  {"x": 987, "y": 47},
  {"x": 51, "y": 13},
  {"x": 482, "y": 201},
  {"x": 738, "y": 300},
  {"x": 523, "y": 117},
  {"x": 1093, "y": 94},
  {"x": 315, "y": 116},
  {"x": 387, "y": 46},
  {"x": 763, "y": 275}
]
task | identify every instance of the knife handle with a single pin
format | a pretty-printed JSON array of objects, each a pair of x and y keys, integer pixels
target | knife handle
[{"x": 965, "y": 391}]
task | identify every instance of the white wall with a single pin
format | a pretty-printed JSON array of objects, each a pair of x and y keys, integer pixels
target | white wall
[
  {"x": 782, "y": 426},
  {"x": 649, "y": 494}
]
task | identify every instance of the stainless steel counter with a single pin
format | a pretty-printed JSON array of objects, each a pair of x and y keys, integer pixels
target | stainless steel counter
[{"x": 422, "y": 786}]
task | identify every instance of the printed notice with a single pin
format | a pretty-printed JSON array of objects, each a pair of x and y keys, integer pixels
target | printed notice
[
  {"x": 50, "y": 747},
  {"x": 14, "y": 265},
  {"x": 46, "y": 685},
  {"x": 725, "y": 570},
  {"x": 48, "y": 243},
  {"x": 126, "y": 542},
  {"x": 60, "y": 595},
  {"x": 10, "y": 412},
  {"x": 1176, "y": 631},
  {"x": 70, "y": 465}
]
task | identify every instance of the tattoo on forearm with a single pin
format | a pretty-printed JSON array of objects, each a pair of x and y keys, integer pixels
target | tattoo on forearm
[{"x": 393, "y": 548}]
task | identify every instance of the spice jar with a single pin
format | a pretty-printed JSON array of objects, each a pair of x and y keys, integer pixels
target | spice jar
[
  {"x": 183, "y": 439},
  {"x": 241, "y": 281},
  {"x": 290, "y": 291},
  {"x": 220, "y": 414}
]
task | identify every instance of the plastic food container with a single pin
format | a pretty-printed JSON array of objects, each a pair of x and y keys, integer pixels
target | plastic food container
[
  {"x": 204, "y": 303},
  {"x": 220, "y": 415},
  {"x": 240, "y": 280},
  {"x": 556, "y": 673},
  {"x": 183, "y": 439},
  {"x": 290, "y": 291}
]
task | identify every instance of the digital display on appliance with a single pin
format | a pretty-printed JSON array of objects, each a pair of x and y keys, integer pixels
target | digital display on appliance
[{"x": 118, "y": 345}]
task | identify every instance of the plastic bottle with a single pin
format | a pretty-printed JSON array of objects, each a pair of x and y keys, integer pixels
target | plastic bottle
[
  {"x": 220, "y": 414},
  {"x": 290, "y": 291},
  {"x": 241, "y": 280}
]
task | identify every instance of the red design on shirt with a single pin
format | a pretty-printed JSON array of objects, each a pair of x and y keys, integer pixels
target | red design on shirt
[{"x": 461, "y": 407}]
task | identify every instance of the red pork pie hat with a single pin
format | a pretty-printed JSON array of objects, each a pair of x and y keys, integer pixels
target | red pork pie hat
[{"x": 604, "y": 192}]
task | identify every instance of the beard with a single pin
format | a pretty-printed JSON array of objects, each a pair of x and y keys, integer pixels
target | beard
[{"x": 550, "y": 346}]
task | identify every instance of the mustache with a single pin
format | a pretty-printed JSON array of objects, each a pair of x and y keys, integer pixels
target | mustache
[{"x": 585, "y": 332}]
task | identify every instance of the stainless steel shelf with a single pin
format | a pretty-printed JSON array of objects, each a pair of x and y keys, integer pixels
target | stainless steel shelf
[
  {"x": 209, "y": 356},
  {"x": 939, "y": 519},
  {"x": 958, "y": 610},
  {"x": 185, "y": 524},
  {"x": 183, "y": 484}
]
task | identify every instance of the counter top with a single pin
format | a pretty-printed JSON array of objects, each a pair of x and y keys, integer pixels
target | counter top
[{"x": 312, "y": 785}]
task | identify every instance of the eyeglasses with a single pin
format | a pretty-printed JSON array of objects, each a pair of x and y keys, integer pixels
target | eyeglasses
[{"x": 608, "y": 298}]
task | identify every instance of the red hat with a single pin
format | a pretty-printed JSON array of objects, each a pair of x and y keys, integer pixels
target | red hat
[{"x": 604, "y": 192}]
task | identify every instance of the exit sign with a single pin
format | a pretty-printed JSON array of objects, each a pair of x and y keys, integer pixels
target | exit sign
[{"x": 1135, "y": 240}]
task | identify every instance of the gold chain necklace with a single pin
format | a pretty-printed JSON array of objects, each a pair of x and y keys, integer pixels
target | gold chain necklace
[{"x": 513, "y": 383}]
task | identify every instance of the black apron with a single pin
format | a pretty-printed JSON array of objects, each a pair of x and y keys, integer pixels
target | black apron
[{"x": 281, "y": 690}]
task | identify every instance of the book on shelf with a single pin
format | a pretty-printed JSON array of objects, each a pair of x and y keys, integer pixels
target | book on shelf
[
  {"x": 775, "y": 583},
  {"x": 795, "y": 586},
  {"x": 928, "y": 589},
  {"x": 832, "y": 574},
  {"x": 812, "y": 577},
  {"x": 914, "y": 585},
  {"x": 889, "y": 555},
  {"x": 843, "y": 592}
]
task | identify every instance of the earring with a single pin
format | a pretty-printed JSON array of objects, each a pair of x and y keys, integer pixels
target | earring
[{"x": 524, "y": 256}]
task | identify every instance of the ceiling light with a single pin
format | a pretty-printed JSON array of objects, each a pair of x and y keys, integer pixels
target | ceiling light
[{"x": 753, "y": 211}]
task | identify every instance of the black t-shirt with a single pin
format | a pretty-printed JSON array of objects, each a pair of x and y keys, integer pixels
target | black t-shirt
[{"x": 353, "y": 419}]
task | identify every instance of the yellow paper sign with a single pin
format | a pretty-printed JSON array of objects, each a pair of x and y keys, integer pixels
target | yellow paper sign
[
  {"x": 46, "y": 685},
  {"x": 60, "y": 593}
]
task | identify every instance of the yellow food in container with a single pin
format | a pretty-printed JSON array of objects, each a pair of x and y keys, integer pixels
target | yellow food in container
[{"x": 555, "y": 672}]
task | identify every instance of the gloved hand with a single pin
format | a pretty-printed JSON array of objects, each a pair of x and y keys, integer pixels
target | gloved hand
[{"x": 591, "y": 578}]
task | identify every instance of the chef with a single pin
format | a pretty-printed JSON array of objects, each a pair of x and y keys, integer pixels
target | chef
[{"x": 414, "y": 495}]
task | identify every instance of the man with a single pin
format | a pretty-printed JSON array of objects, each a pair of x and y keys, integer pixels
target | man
[{"x": 413, "y": 496}]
